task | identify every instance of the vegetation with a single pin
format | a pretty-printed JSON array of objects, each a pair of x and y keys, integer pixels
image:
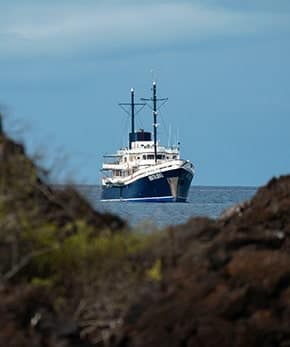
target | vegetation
[
  {"x": 54, "y": 243},
  {"x": 73, "y": 277}
]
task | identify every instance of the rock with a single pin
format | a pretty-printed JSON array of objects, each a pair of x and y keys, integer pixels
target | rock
[
  {"x": 229, "y": 284},
  {"x": 39, "y": 287},
  {"x": 223, "y": 282},
  {"x": 233, "y": 210}
]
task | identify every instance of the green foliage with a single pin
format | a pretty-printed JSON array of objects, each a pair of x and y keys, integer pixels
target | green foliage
[
  {"x": 96, "y": 252},
  {"x": 53, "y": 243},
  {"x": 42, "y": 282},
  {"x": 154, "y": 273},
  {"x": 82, "y": 256},
  {"x": 40, "y": 236}
]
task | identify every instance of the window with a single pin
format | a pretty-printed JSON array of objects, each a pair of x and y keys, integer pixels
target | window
[{"x": 150, "y": 156}]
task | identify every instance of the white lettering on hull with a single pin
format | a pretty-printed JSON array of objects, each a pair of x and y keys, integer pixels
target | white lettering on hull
[{"x": 156, "y": 176}]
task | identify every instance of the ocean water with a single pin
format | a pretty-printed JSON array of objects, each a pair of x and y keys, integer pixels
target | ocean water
[{"x": 202, "y": 201}]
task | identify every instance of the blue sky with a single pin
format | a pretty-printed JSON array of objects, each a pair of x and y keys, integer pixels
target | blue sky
[{"x": 224, "y": 65}]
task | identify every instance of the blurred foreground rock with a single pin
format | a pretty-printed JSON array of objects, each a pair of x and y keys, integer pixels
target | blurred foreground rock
[
  {"x": 73, "y": 277},
  {"x": 43, "y": 254},
  {"x": 224, "y": 282},
  {"x": 21, "y": 186}
]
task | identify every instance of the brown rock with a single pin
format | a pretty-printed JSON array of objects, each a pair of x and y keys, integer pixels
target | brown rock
[{"x": 230, "y": 282}]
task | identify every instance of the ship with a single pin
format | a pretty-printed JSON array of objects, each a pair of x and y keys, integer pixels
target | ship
[{"x": 146, "y": 171}]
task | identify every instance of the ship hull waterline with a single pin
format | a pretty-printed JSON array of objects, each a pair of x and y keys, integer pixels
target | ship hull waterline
[{"x": 170, "y": 186}]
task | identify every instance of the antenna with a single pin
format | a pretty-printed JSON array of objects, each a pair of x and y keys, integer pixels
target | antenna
[
  {"x": 132, "y": 104},
  {"x": 177, "y": 139},
  {"x": 169, "y": 136},
  {"x": 152, "y": 75}
]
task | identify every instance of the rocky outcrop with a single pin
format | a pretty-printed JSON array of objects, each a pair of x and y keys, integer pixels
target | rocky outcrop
[
  {"x": 73, "y": 277},
  {"x": 47, "y": 242},
  {"x": 224, "y": 282},
  {"x": 28, "y": 318},
  {"x": 22, "y": 189}
]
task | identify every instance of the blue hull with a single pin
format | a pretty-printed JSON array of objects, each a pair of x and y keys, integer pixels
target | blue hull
[{"x": 156, "y": 190}]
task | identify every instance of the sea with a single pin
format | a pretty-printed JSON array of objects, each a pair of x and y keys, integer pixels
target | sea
[{"x": 202, "y": 201}]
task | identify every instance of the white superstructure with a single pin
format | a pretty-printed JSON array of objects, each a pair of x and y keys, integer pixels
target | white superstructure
[{"x": 130, "y": 164}]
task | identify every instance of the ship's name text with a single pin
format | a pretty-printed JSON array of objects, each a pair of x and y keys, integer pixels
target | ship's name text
[{"x": 156, "y": 176}]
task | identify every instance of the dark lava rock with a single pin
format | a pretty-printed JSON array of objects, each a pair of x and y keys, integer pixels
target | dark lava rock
[
  {"x": 30, "y": 313},
  {"x": 224, "y": 282},
  {"x": 27, "y": 318}
]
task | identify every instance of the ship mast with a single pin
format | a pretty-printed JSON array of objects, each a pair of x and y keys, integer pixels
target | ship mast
[
  {"x": 155, "y": 108},
  {"x": 132, "y": 112},
  {"x": 155, "y": 120},
  {"x": 132, "y": 105}
]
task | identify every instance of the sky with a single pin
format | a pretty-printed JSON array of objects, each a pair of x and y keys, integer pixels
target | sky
[{"x": 223, "y": 64}]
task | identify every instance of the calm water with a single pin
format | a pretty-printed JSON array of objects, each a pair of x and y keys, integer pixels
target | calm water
[{"x": 202, "y": 201}]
